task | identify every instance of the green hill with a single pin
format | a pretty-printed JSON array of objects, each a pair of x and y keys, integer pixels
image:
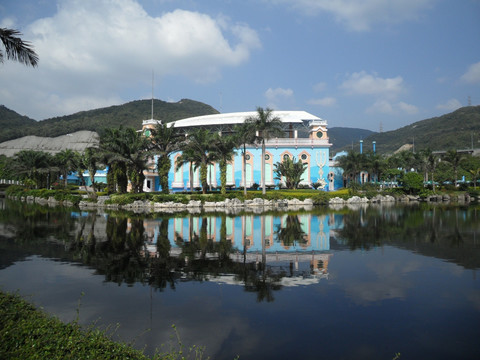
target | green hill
[
  {"x": 455, "y": 130},
  {"x": 12, "y": 123},
  {"x": 342, "y": 137},
  {"x": 130, "y": 114}
]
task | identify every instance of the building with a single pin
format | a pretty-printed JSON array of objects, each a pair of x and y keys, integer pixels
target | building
[{"x": 305, "y": 138}]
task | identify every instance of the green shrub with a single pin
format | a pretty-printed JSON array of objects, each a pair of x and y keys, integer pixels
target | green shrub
[
  {"x": 424, "y": 193},
  {"x": 321, "y": 198},
  {"x": 412, "y": 182},
  {"x": 15, "y": 190}
]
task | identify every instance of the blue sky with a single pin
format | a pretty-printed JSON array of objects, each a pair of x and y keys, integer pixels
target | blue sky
[{"x": 368, "y": 64}]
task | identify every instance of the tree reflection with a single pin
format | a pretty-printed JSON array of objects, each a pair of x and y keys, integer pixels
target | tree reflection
[
  {"x": 290, "y": 233},
  {"x": 116, "y": 244}
]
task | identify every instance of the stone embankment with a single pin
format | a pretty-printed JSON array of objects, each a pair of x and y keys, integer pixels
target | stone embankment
[{"x": 236, "y": 205}]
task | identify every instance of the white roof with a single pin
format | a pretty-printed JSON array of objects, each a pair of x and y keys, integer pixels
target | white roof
[
  {"x": 239, "y": 118},
  {"x": 77, "y": 141}
]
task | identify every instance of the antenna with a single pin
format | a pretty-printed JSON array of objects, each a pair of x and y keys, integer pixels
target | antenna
[
  {"x": 152, "y": 93},
  {"x": 381, "y": 127},
  {"x": 469, "y": 101}
]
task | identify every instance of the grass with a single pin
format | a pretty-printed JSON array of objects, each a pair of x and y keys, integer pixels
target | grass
[{"x": 28, "y": 333}]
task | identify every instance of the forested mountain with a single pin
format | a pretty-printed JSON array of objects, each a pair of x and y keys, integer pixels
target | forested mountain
[
  {"x": 343, "y": 137},
  {"x": 128, "y": 115},
  {"x": 456, "y": 130},
  {"x": 9, "y": 119}
]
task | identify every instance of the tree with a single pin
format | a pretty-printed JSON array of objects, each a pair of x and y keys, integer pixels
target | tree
[
  {"x": 66, "y": 161},
  {"x": 224, "y": 150},
  {"x": 244, "y": 134},
  {"x": 475, "y": 175},
  {"x": 291, "y": 170},
  {"x": 199, "y": 150},
  {"x": 31, "y": 164},
  {"x": 412, "y": 182},
  {"x": 92, "y": 159},
  {"x": 188, "y": 156},
  {"x": 404, "y": 159},
  {"x": 375, "y": 165},
  {"x": 453, "y": 157},
  {"x": 268, "y": 126},
  {"x": 126, "y": 152},
  {"x": 431, "y": 166},
  {"x": 352, "y": 164},
  {"x": 165, "y": 140},
  {"x": 16, "y": 49}
]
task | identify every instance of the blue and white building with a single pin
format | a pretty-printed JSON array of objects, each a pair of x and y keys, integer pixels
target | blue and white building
[{"x": 305, "y": 138}]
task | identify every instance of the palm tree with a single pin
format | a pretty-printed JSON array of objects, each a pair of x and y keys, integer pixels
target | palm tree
[
  {"x": 188, "y": 156},
  {"x": 31, "y": 164},
  {"x": 165, "y": 140},
  {"x": 66, "y": 161},
  {"x": 199, "y": 149},
  {"x": 375, "y": 165},
  {"x": 244, "y": 134},
  {"x": 91, "y": 159},
  {"x": 16, "y": 49},
  {"x": 431, "y": 165},
  {"x": 475, "y": 174},
  {"x": 268, "y": 126},
  {"x": 453, "y": 157},
  {"x": 291, "y": 170},
  {"x": 352, "y": 163},
  {"x": 126, "y": 152},
  {"x": 224, "y": 150}
]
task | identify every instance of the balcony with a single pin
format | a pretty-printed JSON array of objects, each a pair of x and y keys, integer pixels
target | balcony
[{"x": 297, "y": 142}]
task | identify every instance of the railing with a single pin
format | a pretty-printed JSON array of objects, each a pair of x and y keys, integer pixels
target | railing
[
  {"x": 297, "y": 142},
  {"x": 10, "y": 182}
]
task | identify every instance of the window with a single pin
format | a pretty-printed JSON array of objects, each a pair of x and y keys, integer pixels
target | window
[
  {"x": 267, "y": 157},
  {"x": 285, "y": 157},
  {"x": 304, "y": 157}
]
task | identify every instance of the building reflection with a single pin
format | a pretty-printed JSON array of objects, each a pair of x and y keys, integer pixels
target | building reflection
[{"x": 295, "y": 245}]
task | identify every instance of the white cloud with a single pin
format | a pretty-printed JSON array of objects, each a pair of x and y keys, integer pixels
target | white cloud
[
  {"x": 326, "y": 101},
  {"x": 321, "y": 86},
  {"x": 362, "y": 15},
  {"x": 450, "y": 105},
  {"x": 392, "y": 108},
  {"x": 361, "y": 83},
  {"x": 91, "y": 48},
  {"x": 407, "y": 108},
  {"x": 473, "y": 74},
  {"x": 381, "y": 106},
  {"x": 278, "y": 95}
]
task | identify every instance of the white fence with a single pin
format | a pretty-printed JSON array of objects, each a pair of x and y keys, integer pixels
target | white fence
[{"x": 10, "y": 182}]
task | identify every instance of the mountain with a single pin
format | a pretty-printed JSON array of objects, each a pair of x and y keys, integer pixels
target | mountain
[
  {"x": 456, "y": 130},
  {"x": 128, "y": 115},
  {"x": 342, "y": 137},
  {"x": 12, "y": 123}
]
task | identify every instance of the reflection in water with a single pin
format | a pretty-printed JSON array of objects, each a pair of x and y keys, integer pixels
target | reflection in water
[
  {"x": 354, "y": 271},
  {"x": 263, "y": 253}
]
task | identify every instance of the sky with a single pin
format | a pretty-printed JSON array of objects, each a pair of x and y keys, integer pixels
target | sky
[{"x": 370, "y": 64}]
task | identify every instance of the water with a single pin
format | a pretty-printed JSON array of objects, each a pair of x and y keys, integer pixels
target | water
[{"x": 362, "y": 283}]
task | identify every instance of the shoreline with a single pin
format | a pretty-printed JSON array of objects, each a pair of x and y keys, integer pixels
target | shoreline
[{"x": 236, "y": 205}]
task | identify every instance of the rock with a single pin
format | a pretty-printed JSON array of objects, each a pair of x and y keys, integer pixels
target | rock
[
  {"x": 209, "y": 204},
  {"x": 336, "y": 201},
  {"x": 194, "y": 204}
]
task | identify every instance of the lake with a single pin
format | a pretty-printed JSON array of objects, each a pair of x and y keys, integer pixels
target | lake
[{"x": 363, "y": 282}]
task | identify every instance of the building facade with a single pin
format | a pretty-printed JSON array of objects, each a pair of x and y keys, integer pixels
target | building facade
[{"x": 305, "y": 138}]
